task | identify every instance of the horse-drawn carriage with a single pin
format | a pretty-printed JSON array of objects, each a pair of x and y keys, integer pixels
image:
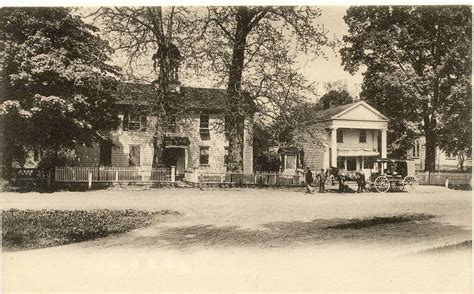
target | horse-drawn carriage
[
  {"x": 389, "y": 174},
  {"x": 394, "y": 174}
]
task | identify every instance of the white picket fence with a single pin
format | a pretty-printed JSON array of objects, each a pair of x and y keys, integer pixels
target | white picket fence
[
  {"x": 439, "y": 178},
  {"x": 256, "y": 178},
  {"x": 82, "y": 174}
]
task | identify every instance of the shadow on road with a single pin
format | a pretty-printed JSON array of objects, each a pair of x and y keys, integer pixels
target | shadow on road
[{"x": 396, "y": 230}]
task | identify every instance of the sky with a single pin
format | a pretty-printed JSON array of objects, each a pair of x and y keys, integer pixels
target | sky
[{"x": 329, "y": 69}]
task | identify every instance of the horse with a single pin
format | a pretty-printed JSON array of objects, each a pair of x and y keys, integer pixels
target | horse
[{"x": 342, "y": 176}]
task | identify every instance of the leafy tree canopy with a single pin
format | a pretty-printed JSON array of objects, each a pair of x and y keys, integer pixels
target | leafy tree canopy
[
  {"x": 418, "y": 60},
  {"x": 55, "y": 79},
  {"x": 334, "y": 98}
]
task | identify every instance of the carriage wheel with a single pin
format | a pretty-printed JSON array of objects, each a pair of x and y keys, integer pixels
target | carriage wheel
[
  {"x": 410, "y": 183},
  {"x": 382, "y": 184}
]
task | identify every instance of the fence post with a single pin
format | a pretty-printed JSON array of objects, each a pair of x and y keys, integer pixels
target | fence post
[
  {"x": 173, "y": 175},
  {"x": 196, "y": 175},
  {"x": 446, "y": 183},
  {"x": 89, "y": 180},
  {"x": 116, "y": 176},
  {"x": 49, "y": 179}
]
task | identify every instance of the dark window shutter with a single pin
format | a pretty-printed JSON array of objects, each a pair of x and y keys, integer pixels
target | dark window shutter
[
  {"x": 125, "y": 122},
  {"x": 143, "y": 123}
]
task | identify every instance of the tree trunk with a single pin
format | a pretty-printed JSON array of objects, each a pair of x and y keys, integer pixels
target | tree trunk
[
  {"x": 235, "y": 101},
  {"x": 461, "y": 161},
  {"x": 431, "y": 144}
]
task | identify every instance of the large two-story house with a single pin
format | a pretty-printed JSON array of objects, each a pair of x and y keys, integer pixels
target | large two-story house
[
  {"x": 194, "y": 139},
  {"x": 349, "y": 137}
]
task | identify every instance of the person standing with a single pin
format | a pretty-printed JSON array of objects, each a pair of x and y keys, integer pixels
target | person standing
[
  {"x": 360, "y": 181},
  {"x": 340, "y": 180},
  {"x": 309, "y": 180},
  {"x": 322, "y": 180}
]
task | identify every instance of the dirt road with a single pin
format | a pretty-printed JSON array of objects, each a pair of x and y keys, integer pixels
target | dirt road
[{"x": 256, "y": 240}]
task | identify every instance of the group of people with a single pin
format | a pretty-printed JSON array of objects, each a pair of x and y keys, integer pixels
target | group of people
[{"x": 322, "y": 176}]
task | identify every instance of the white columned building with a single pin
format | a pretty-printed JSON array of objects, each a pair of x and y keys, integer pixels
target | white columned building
[{"x": 351, "y": 137}]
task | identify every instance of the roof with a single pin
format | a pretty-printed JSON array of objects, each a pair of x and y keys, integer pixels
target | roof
[
  {"x": 329, "y": 113},
  {"x": 289, "y": 150},
  {"x": 194, "y": 98},
  {"x": 334, "y": 112}
]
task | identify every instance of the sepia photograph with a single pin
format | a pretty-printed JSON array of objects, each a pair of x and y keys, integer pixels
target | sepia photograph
[{"x": 236, "y": 147}]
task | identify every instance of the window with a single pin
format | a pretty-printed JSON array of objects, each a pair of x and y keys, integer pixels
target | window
[
  {"x": 363, "y": 136},
  {"x": 340, "y": 136},
  {"x": 416, "y": 150},
  {"x": 134, "y": 155},
  {"x": 105, "y": 156},
  {"x": 203, "y": 155},
  {"x": 368, "y": 162},
  {"x": 226, "y": 155},
  {"x": 341, "y": 163},
  {"x": 171, "y": 125},
  {"x": 133, "y": 121},
  {"x": 204, "y": 124},
  {"x": 351, "y": 163}
]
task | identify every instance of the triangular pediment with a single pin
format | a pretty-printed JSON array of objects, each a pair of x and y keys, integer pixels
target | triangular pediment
[{"x": 361, "y": 111}]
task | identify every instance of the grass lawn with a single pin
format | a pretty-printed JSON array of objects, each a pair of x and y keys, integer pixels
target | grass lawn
[{"x": 30, "y": 229}]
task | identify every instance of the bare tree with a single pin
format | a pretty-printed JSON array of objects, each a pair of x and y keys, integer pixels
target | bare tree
[
  {"x": 253, "y": 38},
  {"x": 151, "y": 34}
]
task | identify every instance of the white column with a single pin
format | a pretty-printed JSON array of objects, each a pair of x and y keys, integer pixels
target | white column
[
  {"x": 334, "y": 147},
  {"x": 173, "y": 174},
  {"x": 384, "y": 143},
  {"x": 185, "y": 158},
  {"x": 326, "y": 154}
]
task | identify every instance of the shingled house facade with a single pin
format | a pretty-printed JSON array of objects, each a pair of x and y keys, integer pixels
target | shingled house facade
[{"x": 195, "y": 139}]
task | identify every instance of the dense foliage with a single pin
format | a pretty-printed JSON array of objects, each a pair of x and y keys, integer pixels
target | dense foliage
[
  {"x": 418, "y": 61},
  {"x": 55, "y": 79}
]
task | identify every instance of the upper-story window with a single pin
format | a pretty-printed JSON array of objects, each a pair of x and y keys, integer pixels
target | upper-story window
[
  {"x": 226, "y": 125},
  {"x": 204, "y": 124},
  {"x": 133, "y": 121},
  {"x": 340, "y": 136},
  {"x": 171, "y": 125},
  {"x": 363, "y": 136},
  {"x": 416, "y": 150}
]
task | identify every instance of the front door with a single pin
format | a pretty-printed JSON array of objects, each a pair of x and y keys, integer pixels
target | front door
[
  {"x": 351, "y": 163},
  {"x": 175, "y": 157}
]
